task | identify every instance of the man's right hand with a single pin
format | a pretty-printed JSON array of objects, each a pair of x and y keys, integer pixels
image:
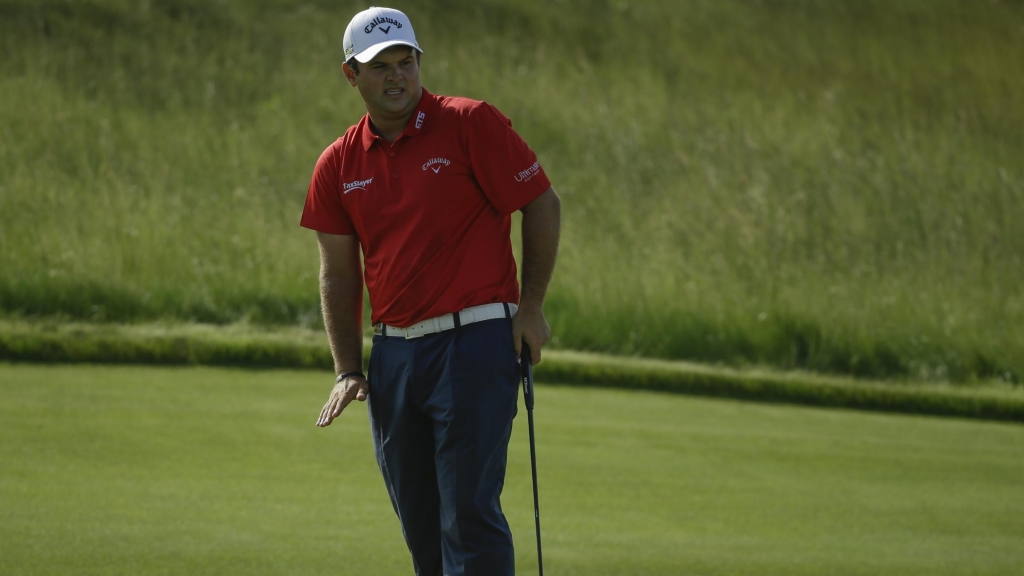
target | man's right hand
[{"x": 349, "y": 389}]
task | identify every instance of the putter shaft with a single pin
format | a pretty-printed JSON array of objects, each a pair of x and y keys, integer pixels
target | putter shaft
[{"x": 527, "y": 367}]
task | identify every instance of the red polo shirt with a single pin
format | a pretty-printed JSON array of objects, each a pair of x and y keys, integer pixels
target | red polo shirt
[{"x": 432, "y": 210}]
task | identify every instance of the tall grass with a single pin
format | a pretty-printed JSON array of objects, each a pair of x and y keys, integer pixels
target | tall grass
[{"x": 819, "y": 184}]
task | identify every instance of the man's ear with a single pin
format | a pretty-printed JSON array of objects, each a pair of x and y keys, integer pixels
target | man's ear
[{"x": 349, "y": 73}]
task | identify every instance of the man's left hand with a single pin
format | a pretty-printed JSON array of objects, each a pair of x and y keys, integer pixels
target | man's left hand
[{"x": 530, "y": 326}]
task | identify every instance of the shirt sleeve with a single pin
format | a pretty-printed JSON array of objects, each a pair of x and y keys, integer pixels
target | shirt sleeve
[
  {"x": 323, "y": 211},
  {"x": 505, "y": 167}
]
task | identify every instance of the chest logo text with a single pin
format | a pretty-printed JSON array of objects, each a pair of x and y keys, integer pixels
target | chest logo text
[
  {"x": 436, "y": 164},
  {"x": 356, "y": 185}
]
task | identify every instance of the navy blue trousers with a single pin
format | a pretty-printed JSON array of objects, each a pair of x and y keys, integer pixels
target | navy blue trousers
[{"x": 441, "y": 409}]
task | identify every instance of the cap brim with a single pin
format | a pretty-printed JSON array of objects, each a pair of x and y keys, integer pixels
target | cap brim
[{"x": 371, "y": 52}]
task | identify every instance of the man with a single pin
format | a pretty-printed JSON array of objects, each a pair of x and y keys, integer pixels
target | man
[{"x": 424, "y": 186}]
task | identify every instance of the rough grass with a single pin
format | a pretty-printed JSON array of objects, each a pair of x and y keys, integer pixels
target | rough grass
[
  {"x": 147, "y": 471},
  {"x": 809, "y": 184}
]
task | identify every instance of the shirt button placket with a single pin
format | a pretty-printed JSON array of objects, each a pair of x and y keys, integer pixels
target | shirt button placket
[{"x": 392, "y": 166}]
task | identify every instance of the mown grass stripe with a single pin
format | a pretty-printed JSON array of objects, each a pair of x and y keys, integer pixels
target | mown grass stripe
[
  {"x": 783, "y": 389},
  {"x": 141, "y": 345}
]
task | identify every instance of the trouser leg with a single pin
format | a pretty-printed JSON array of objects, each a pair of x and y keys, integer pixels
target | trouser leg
[
  {"x": 472, "y": 407},
  {"x": 404, "y": 445}
]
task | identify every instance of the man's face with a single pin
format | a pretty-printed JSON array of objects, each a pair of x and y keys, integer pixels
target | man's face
[{"x": 390, "y": 83}]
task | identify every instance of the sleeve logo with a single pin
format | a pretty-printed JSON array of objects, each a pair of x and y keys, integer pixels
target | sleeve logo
[{"x": 529, "y": 173}]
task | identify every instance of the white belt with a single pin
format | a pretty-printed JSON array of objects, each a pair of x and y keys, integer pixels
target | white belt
[{"x": 448, "y": 321}]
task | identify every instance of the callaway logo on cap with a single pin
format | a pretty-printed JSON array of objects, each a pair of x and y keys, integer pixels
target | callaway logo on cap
[{"x": 375, "y": 29}]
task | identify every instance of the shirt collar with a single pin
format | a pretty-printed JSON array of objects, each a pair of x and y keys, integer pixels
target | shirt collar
[{"x": 418, "y": 123}]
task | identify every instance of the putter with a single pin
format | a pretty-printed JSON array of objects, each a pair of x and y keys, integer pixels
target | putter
[{"x": 527, "y": 367}]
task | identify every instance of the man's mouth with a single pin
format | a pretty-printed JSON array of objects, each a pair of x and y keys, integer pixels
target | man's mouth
[{"x": 394, "y": 91}]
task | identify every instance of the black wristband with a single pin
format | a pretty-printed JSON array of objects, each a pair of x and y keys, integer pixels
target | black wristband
[{"x": 344, "y": 375}]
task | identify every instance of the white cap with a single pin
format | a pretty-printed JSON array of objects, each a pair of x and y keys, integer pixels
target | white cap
[{"x": 375, "y": 29}]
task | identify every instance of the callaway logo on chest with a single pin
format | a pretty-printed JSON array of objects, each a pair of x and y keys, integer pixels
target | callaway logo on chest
[{"x": 436, "y": 164}]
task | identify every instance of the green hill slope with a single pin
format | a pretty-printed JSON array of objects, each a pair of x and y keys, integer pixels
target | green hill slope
[{"x": 818, "y": 184}]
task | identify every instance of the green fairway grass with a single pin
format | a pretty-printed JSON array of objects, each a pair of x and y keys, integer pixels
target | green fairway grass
[
  {"x": 831, "y": 185},
  {"x": 127, "y": 470}
]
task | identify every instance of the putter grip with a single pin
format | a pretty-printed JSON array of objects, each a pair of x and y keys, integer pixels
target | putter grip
[{"x": 526, "y": 364}]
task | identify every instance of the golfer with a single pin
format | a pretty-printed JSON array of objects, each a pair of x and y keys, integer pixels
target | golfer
[{"x": 422, "y": 190}]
